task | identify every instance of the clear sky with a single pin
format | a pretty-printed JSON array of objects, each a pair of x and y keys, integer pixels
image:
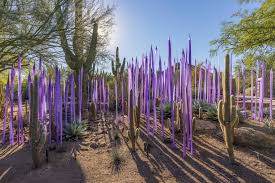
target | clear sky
[{"x": 142, "y": 23}]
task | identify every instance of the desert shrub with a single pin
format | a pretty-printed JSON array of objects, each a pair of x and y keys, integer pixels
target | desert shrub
[
  {"x": 200, "y": 103},
  {"x": 75, "y": 130},
  {"x": 242, "y": 115},
  {"x": 269, "y": 125},
  {"x": 266, "y": 112}
]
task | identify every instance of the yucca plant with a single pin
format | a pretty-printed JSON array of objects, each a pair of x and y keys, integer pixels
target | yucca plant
[
  {"x": 75, "y": 130},
  {"x": 117, "y": 160}
]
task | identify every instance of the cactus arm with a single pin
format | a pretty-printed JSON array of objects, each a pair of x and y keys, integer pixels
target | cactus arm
[
  {"x": 122, "y": 67},
  {"x": 220, "y": 112},
  {"x": 193, "y": 124},
  {"x": 113, "y": 68},
  {"x": 234, "y": 118}
]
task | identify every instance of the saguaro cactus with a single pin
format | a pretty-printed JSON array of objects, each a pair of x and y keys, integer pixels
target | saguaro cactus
[
  {"x": 37, "y": 132},
  {"x": 118, "y": 67},
  {"x": 133, "y": 132},
  {"x": 227, "y": 114}
]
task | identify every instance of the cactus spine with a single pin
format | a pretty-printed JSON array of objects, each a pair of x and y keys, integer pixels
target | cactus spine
[
  {"x": 227, "y": 114},
  {"x": 133, "y": 132},
  {"x": 37, "y": 132}
]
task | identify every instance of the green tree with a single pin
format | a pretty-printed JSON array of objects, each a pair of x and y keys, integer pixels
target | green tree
[
  {"x": 253, "y": 36},
  {"x": 81, "y": 46}
]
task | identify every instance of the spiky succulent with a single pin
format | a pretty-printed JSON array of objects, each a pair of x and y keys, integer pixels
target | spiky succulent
[
  {"x": 211, "y": 112},
  {"x": 117, "y": 160},
  {"x": 270, "y": 126},
  {"x": 75, "y": 130},
  {"x": 167, "y": 111}
]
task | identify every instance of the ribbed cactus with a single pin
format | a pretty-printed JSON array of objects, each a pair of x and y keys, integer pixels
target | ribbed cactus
[
  {"x": 133, "y": 132},
  {"x": 38, "y": 133},
  {"x": 193, "y": 125},
  {"x": 177, "y": 116},
  {"x": 117, "y": 67},
  {"x": 93, "y": 111},
  {"x": 200, "y": 112},
  {"x": 227, "y": 114},
  {"x": 137, "y": 113}
]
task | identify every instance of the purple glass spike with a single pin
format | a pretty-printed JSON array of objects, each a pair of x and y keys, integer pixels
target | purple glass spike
[
  {"x": 251, "y": 92},
  {"x": 11, "y": 103},
  {"x": 29, "y": 97},
  {"x": 5, "y": 112},
  {"x": 243, "y": 72},
  {"x": 271, "y": 91},
  {"x": 219, "y": 84},
  {"x": 72, "y": 100},
  {"x": 161, "y": 100},
  {"x": 122, "y": 102},
  {"x": 238, "y": 89},
  {"x": 116, "y": 122},
  {"x": 50, "y": 109},
  {"x": 195, "y": 80},
  {"x": 171, "y": 89},
  {"x": 200, "y": 84},
  {"x": 66, "y": 101},
  {"x": 20, "y": 137}
]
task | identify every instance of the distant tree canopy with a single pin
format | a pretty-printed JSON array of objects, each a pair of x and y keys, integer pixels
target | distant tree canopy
[
  {"x": 56, "y": 31},
  {"x": 253, "y": 36}
]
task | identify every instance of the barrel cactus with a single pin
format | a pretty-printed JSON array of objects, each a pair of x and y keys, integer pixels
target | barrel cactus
[
  {"x": 38, "y": 133},
  {"x": 227, "y": 114}
]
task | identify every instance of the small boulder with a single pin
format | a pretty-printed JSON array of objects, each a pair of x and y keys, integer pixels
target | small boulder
[{"x": 251, "y": 137}]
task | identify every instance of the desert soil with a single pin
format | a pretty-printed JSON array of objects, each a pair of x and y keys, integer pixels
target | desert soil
[{"x": 209, "y": 162}]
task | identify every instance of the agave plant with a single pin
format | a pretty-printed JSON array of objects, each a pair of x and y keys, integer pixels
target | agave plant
[
  {"x": 75, "y": 130},
  {"x": 167, "y": 110}
]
